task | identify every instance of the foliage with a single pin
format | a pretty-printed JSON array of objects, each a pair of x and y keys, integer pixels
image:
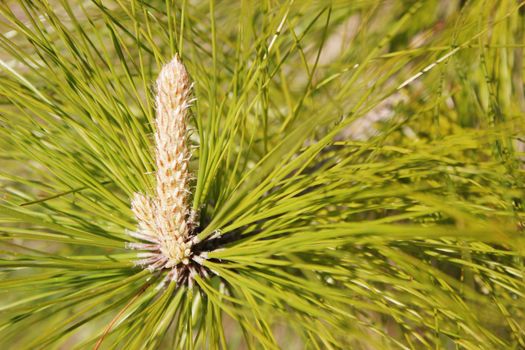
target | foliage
[{"x": 361, "y": 160}]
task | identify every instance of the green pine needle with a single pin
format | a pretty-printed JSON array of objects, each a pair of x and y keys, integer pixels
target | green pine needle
[{"x": 359, "y": 172}]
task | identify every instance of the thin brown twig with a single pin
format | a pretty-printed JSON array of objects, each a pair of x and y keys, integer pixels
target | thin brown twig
[{"x": 121, "y": 312}]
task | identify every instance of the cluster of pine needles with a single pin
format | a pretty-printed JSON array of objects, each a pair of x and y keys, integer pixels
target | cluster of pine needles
[{"x": 357, "y": 168}]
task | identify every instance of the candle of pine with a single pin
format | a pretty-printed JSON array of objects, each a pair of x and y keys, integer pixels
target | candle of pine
[{"x": 164, "y": 223}]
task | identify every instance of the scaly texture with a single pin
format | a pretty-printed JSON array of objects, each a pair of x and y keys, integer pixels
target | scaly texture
[
  {"x": 163, "y": 221},
  {"x": 172, "y": 156}
]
